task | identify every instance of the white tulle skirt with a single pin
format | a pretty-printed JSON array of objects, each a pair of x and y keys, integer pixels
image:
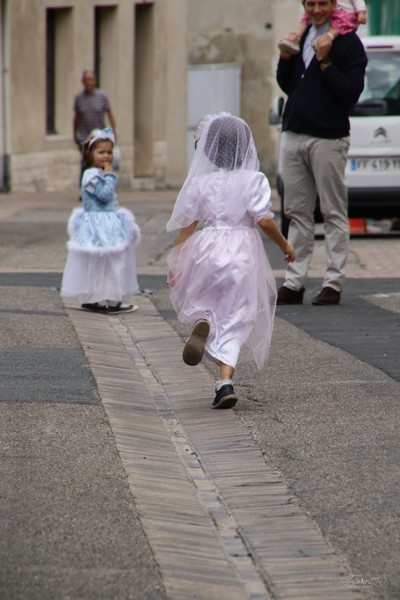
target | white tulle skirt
[
  {"x": 224, "y": 276},
  {"x": 101, "y": 261}
]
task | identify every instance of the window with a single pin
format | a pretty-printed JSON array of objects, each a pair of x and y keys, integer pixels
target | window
[
  {"x": 58, "y": 53},
  {"x": 105, "y": 46},
  {"x": 50, "y": 71},
  {"x": 381, "y": 95}
]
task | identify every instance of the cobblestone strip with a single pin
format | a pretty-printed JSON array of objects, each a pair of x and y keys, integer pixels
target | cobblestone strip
[
  {"x": 199, "y": 479},
  {"x": 196, "y": 556},
  {"x": 206, "y": 491}
]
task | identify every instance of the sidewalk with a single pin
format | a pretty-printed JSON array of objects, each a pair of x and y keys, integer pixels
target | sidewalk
[{"x": 218, "y": 513}]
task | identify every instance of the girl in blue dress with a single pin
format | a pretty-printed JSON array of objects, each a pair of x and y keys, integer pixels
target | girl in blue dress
[{"x": 100, "y": 271}]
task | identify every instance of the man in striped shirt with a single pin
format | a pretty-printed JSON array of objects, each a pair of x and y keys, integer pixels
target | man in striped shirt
[{"x": 90, "y": 107}]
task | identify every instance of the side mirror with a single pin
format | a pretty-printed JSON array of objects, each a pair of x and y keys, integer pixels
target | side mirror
[{"x": 275, "y": 112}]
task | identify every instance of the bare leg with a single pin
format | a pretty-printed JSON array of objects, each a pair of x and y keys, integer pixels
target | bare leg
[{"x": 225, "y": 372}]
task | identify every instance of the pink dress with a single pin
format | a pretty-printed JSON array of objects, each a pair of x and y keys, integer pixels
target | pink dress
[
  {"x": 344, "y": 16},
  {"x": 221, "y": 273}
]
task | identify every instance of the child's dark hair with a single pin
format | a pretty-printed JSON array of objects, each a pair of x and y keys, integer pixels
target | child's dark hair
[{"x": 87, "y": 149}]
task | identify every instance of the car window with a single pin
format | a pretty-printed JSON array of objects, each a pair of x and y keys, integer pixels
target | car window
[{"x": 381, "y": 95}]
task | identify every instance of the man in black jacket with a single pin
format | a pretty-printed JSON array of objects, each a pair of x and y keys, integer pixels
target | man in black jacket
[{"x": 321, "y": 86}]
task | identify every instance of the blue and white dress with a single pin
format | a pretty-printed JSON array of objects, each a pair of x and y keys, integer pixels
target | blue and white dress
[{"x": 101, "y": 262}]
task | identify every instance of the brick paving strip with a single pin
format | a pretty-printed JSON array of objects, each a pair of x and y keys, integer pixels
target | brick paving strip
[{"x": 221, "y": 522}]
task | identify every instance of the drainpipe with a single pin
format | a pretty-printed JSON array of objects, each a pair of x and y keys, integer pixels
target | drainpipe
[{"x": 6, "y": 94}]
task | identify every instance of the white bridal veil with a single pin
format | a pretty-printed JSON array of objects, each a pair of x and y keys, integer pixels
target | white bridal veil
[{"x": 225, "y": 150}]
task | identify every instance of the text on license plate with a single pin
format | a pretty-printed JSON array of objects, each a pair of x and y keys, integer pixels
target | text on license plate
[{"x": 374, "y": 164}]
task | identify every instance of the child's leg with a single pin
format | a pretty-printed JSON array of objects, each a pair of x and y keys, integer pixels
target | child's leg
[
  {"x": 343, "y": 21},
  {"x": 193, "y": 353},
  {"x": 225, "y": 372}
]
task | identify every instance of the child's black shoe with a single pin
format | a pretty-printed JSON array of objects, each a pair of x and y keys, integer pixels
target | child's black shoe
[
  {"x": 120, "y": 308},
  {"x": 95, "y": 307},
  {"x": 225, "y": 397}
]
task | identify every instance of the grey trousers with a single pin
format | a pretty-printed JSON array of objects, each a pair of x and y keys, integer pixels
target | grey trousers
[{"x": 311, "y": 167}]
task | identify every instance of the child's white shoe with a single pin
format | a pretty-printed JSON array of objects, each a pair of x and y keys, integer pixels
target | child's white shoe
[{"x": 289, "y": 47}]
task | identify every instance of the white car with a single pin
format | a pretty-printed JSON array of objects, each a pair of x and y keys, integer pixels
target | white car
[{"x": 373, "y": 166}]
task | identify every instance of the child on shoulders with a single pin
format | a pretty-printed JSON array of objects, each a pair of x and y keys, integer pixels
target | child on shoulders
[{"x": 346, "y": 17}]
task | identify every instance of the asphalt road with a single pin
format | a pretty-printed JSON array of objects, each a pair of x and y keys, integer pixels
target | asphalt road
[
  {"x": 69, "y": 528},
  {"x": 324, "y": 411}
]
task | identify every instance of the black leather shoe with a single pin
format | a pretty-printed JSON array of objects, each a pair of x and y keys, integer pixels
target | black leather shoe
[
  {"x": 288, "y": 296},
  {"x": 225, "y": 397},
  {"x": 326, "y": 296},
  {"x": 95, "y": 307},
  {"x": 120, "y": 308}
]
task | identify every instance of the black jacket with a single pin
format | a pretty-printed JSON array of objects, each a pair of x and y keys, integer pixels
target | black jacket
[{"x": 319, "y": 101}]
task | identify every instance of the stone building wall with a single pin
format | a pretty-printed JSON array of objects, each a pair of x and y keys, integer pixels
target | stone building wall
[
  {"x": 144, "y": 76},
  {"x": 246, "y": 33}
]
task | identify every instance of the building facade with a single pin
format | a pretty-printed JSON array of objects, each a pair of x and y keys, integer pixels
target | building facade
[
  {"x": 141, "y": 51},
  {"x": 138, "y": 50},
  {"x": 245, "y": 34}
]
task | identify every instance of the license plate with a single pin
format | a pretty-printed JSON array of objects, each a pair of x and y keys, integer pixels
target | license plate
[{"x": 373, "y": 165}]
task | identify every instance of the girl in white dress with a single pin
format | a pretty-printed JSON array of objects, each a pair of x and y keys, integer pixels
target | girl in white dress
[
  {"x": 220, "y": 278},
  {"x": 100, "y": 272}
]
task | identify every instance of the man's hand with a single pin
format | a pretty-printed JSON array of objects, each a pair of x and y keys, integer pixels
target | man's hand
[{"x": 323, "y": 45}]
